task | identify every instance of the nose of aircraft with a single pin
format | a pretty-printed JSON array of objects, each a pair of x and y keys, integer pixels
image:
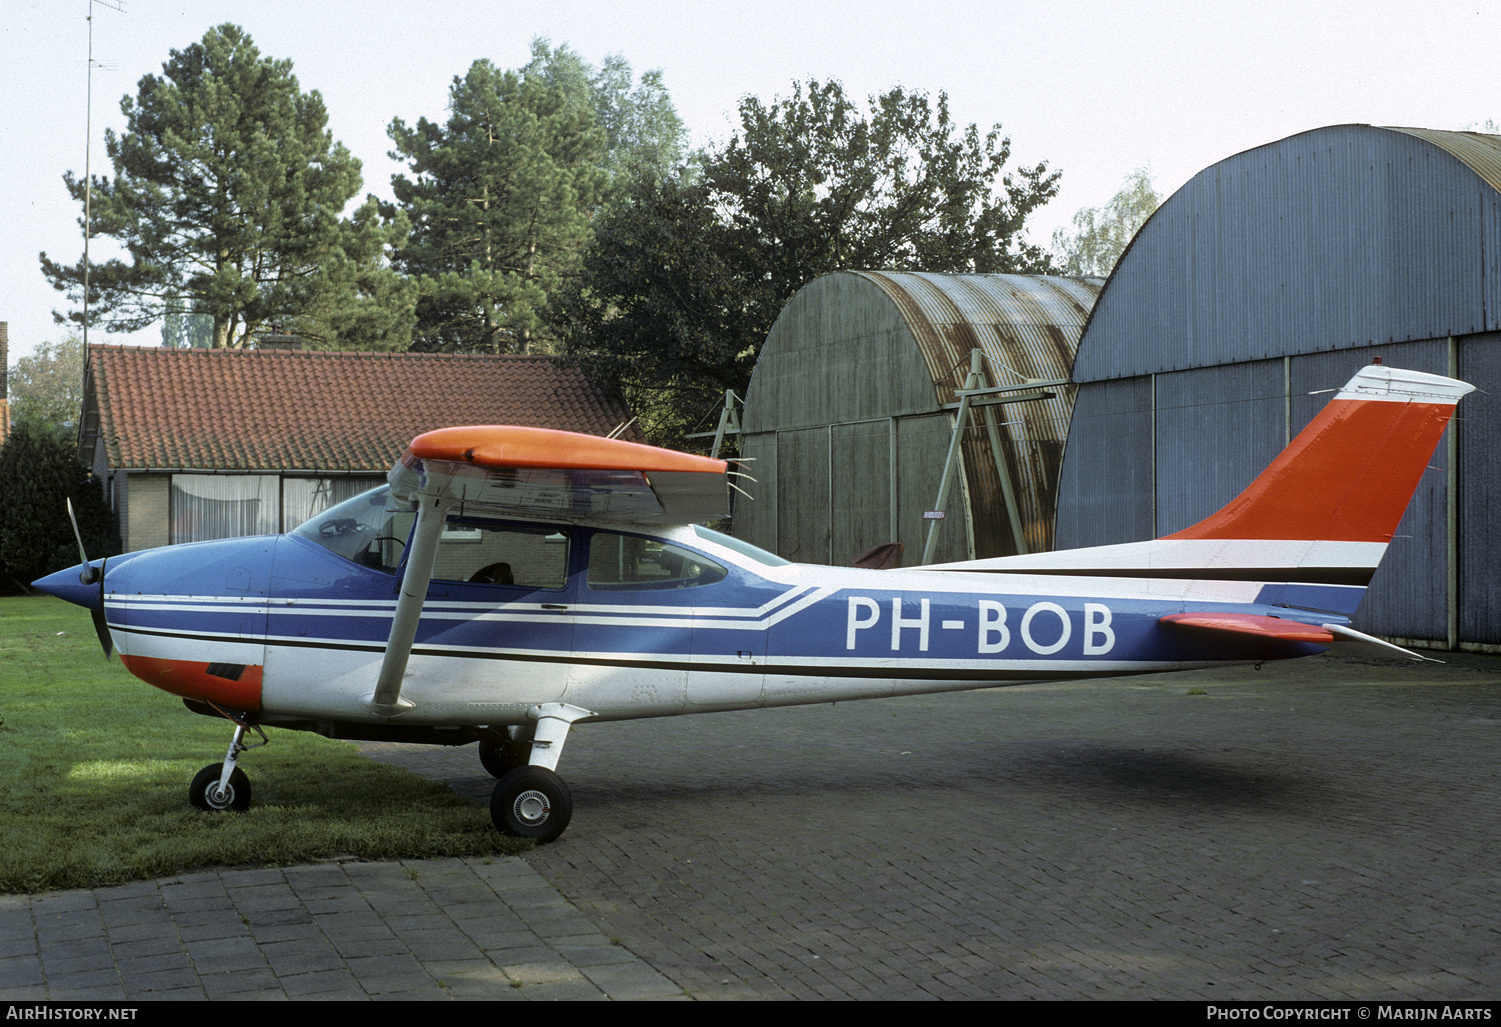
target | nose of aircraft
[{"x": 79, "y": 584}]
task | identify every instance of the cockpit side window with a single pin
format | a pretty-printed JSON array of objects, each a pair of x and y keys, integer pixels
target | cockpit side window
[
  {"x": 484, "y": 553},
  {"x": 624, "y": 562},
  {"x": 371, "y": 529}
]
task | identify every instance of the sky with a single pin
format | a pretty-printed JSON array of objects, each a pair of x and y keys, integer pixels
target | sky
[{"x": 1093, "y": 88}]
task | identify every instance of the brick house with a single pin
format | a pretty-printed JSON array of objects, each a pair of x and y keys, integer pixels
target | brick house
[{"x": 198, "y": 444}]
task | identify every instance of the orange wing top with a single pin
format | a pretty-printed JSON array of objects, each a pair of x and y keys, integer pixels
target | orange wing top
[
  {"x": 505, "y": 470},
  {"x": 499, "y": 446}
]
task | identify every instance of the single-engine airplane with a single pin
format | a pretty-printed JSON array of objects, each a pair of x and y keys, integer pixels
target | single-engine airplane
[{"x": 509, "y": 583}]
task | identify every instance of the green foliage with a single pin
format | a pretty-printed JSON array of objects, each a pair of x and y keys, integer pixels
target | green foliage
[
  {"x": 503, "y": 195},
  {"x": 688, "y": 272},
  {"x": 499, "y": 203},
  {"x": 39, "y": 472},
  {"x": 642, "y": 130},
  {"x": 643, "y": 133},
  {"x": 1101, "y": 234},
  {"x": 46, "y": 389},
  {"x": 227, "y": 196},
  {"x": 812, "y": 183},
  {"x": 670, "y": 311},
  {"x": 88, "y": 800},
  {"x": 185, "y": 328}
]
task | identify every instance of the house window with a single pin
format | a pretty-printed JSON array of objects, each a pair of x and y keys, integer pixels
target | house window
[{"x": 209, "y": 506}]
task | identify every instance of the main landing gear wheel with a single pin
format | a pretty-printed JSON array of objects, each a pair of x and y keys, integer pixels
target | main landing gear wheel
[
  {"x": 502, "y": 758},
  {"x": 204, "y": 791},
  {"x": 531, "y": 802}
]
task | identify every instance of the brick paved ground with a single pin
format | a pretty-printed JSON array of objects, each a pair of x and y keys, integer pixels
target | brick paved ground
[
  {"x": 1317, "y": 830},
  {"x": 419, "y": 929},
  {"x": 1323, "y": 829}
]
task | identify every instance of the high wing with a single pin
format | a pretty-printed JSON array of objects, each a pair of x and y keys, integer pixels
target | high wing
[
  {"x": 559, "y": 475},
  {"x": 541, "y": 473}
]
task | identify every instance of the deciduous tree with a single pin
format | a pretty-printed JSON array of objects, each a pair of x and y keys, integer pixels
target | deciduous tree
[
  {"x": 1101, "y": 234},
  {"x": 687, "y": 273},
  {"x": 45, "y": 389},
  {"x": 643, "y": 133},
  {"x": 228, "y": 197}
]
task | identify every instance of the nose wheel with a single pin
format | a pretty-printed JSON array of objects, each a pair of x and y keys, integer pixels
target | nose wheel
[
  {"x": 224, "y": 786},
  {"x": 206, "y": 794}
]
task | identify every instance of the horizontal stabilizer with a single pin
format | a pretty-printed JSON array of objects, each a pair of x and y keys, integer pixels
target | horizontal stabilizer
[{"x": 1250, "y": 625}]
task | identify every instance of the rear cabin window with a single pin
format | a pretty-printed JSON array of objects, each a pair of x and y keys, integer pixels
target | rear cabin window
[{"x": 621, "y": 562}]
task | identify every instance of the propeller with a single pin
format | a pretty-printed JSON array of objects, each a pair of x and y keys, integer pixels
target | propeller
[{"x": 88, "y": 576}]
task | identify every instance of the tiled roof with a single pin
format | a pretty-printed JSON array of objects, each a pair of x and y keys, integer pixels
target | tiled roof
[{"x": 314, "y": 410}]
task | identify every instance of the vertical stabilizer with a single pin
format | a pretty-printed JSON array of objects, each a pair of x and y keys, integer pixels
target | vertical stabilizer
[
  {"x": 1323, "y": 512},
  {"x": 1350, "y": 474}
]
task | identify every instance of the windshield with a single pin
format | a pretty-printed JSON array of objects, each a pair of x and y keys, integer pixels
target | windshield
[{"x": 371, "y": 529}]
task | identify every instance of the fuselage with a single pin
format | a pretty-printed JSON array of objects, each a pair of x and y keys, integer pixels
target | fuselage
[{"x": 629, "y": 624}]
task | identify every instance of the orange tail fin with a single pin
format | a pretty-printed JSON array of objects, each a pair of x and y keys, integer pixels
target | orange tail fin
[{"x": 1350, "y": 474}]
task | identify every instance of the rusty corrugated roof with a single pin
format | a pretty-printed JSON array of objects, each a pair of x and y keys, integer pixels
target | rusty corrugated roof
[
  {"x": 312, "y": 410},
  {"x": 1480, "y": 153},
  {"x": 1029, "y": 324}
]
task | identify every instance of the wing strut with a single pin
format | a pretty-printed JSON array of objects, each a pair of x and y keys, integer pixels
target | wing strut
[{"x": 431, "y": 512}]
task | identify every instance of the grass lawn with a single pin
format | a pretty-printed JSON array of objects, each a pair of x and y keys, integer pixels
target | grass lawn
[{"x": 95, "y": 765}]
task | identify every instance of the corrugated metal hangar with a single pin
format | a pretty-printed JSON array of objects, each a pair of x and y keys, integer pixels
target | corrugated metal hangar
[
  {"x": 850, "y": 414},
  {"x": 1257, "y": 288}
]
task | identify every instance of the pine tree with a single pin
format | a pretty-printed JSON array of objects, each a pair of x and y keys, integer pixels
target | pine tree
[
  {"x": 228, "y": 195},
  {"x": 499, "y": 201}
]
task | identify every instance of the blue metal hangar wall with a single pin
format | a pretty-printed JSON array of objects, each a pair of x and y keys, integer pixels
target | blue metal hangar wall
[
  {"x": 852, "y": 407},
  {"x": 1256, "y": 290}
]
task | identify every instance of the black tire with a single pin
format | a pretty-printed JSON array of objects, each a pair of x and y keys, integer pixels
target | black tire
[
  {"x": 531, "y": 802},
  {"x": 206, "y": 782},
  {"x": 502, "y": 758}
]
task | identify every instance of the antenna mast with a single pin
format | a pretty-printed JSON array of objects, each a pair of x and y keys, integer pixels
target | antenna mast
[{"x": 88, "y": 150}]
